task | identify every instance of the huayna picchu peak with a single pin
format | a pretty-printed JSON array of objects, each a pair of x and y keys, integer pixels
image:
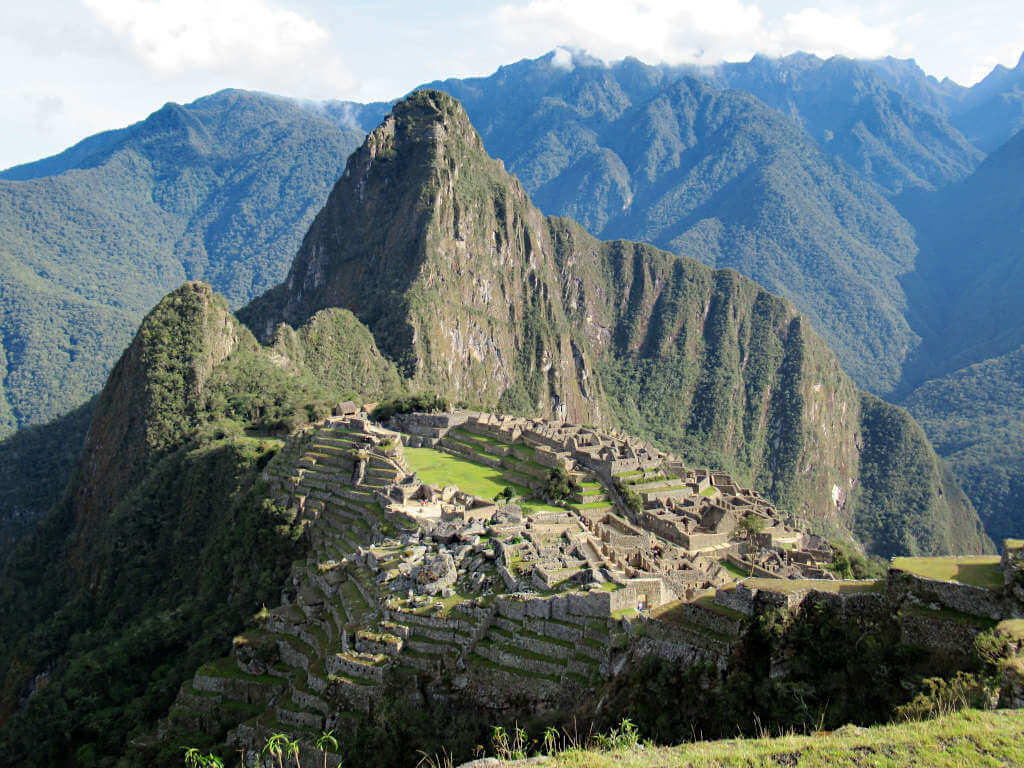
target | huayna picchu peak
[{"x": 469, "y": 465}]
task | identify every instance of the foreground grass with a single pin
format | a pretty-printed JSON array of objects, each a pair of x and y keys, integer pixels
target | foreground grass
[
  {"x": 440, "y": 469},
  {"x": 969, "y": 738},
  {"x": 978, "y": 571}
]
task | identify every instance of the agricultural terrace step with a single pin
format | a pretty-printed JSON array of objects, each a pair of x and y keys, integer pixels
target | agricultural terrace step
[
  {"x": 583, "y": 668},
  {"x": 532, "y": 643},
  {"x": 298, "y": 717},
  {"x": 553, "y": 679},
  {"x": 295, "y": 652},
  {"x": 424, "y": 644},
  {"x": 516, "y": 657},
  {"x": 657, "y": 484},
  {"x": 517, "y": 478},
  {"x": 534, "y": 471}
]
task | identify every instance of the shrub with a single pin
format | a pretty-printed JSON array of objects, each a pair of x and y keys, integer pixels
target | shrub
[{"x": 420, "y": 403}]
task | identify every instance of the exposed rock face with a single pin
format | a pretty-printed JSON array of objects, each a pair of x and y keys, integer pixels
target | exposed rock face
[
  {"x": 438, "y": 250},
  {"x": 435, "y": 574},
  {"x": 476, "y": 295}
]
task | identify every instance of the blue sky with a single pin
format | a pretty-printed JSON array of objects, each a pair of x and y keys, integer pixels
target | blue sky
[{"x": 76, "y": 67}]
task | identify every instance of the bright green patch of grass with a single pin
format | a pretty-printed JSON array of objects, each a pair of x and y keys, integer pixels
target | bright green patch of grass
[
  {"x": 1013, "y": 628},
  {"x": 978, "y": 571},
  {"x": 788, "y": 586},
  {"x": 969, "y": 738},
  {"x": 733, "y": 570},
  {"x": 440, "y": 469}
]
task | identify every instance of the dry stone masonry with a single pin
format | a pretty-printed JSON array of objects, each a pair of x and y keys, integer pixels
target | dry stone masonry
[{"x": 462, "y": 596}]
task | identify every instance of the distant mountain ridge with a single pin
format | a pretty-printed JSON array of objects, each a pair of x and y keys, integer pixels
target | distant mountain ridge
[{"x": 221, "y": 189}]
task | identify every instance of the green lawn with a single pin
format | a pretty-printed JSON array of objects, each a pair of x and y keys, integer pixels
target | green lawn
[
  {"x": 440, "y": 469},
  {"x": 978, "y": 571},
  {"x": 733, "y": 570},
  {"x": 964, "y": 739},
  {"x": 786, "y": 586}
]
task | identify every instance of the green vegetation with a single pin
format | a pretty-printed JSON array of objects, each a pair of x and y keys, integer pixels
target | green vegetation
[
  {"x": 976, "y": 571},
  {"x": 424, "y": 403},
  {"x": 848, "y": 564},
  {"x": 441, "y": 469},
  {"x": 559, "y": 487},
  {"x": 960, "y": 740},
  {"x": 975, "y": 419},
  {"x": 216, "y": 190},
  {"x": 908, "y": 501},
  {"x": 751, "y": 525}
]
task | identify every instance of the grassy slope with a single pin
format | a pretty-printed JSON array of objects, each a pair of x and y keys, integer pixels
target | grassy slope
[
  {"x": 977, "y": 571},
  {"x": 968, "y": 738},
  {"x": 441, "y": 469}
]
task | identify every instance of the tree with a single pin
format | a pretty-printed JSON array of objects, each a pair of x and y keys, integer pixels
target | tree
[
  {"x": 751, "y": 525},
  {"x": 504, "y": 494},
  {"x": 558, "y": 486},
  {"x": 276, "y": 746},
  {"x": 324, "y": 741}
]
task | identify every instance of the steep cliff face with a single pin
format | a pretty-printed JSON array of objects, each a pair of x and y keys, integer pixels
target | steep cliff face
[
  {"x": 474, "y": 294},
  {"x": 439, "y": 252}
]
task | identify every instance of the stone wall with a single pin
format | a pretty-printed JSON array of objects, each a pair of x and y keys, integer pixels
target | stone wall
[
  {"x": 903, "y": 587},
  {"x": 338, "y": 664}
]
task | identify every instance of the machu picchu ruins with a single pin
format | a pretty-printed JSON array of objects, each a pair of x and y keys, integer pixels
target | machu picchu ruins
[{"x": 512, "y": 597}]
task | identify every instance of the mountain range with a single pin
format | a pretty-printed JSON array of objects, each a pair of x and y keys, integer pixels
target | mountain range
[
  {"x": 428, "y": 268},
  {"x": 820, "y": 179}
]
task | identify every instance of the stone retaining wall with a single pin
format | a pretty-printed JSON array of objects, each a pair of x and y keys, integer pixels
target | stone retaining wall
[
  {"x": 340, "y": 665},
  {"x": 905, "y": 587}
]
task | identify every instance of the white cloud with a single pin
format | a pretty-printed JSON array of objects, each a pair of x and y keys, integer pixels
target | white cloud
[
  {"x": 693, "y": 31},
  {"x": 562, "y": 58},
  {"x": 658, "y": 30},
  {"x": 245, "y": 37},
  {"x": 816, "y": 31}
]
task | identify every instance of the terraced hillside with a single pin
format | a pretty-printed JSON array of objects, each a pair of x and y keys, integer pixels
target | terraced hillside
[
  {"x": 404, "y": 595},
  {"x": 332, "y": 652}
]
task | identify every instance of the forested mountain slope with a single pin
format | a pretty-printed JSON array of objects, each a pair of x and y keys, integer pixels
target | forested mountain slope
[
  {"x": 854, "y": 114},
  {"x": 968, "y": 287},
  {"x": 221, "y": 189},
  {"x": 988, "y": 113},
  {"x": 975, "y": 419}
]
